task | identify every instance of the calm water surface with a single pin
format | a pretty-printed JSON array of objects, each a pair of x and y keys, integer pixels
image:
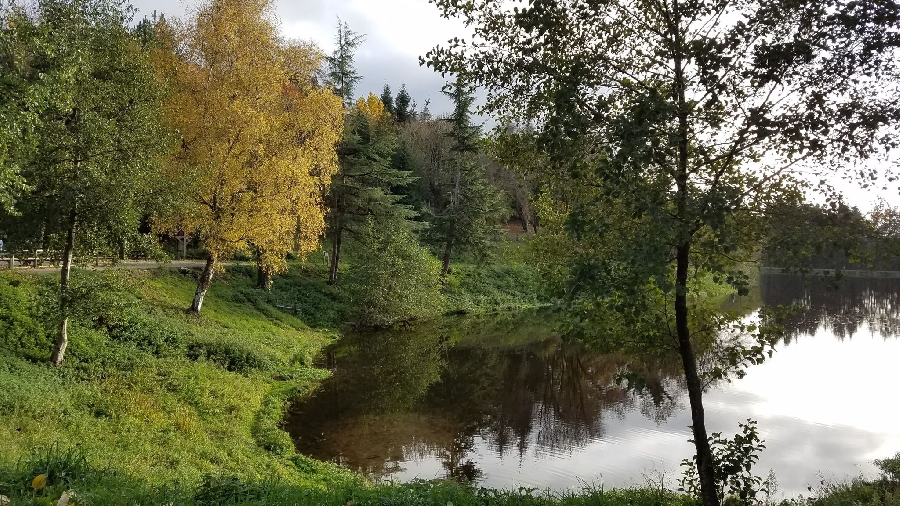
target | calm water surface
[{"x": 508, "y": 404}]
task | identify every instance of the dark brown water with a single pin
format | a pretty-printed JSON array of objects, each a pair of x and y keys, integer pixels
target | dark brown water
[{"x": 506, "y": 403}]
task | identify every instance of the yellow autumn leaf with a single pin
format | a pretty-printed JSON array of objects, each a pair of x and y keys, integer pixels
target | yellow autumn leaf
[{"x": 39, "y": 482}]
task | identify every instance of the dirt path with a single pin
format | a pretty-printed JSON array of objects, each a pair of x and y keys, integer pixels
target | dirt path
[{"x": 128, "y": 264}]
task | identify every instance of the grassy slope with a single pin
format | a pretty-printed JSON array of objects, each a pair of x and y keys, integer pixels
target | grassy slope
[{"x": 152, "y": 392}]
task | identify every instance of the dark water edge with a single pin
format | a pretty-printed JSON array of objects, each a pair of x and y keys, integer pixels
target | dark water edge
[{"x": 505, "y": 402}]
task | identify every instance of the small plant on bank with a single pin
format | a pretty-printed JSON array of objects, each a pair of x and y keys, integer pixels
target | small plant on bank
[{"x": 733, "y": 461}]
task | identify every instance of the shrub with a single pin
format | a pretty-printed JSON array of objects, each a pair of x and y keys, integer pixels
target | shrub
[
  {"x": 20, "y": 327},
  {"x": 380, "y": 295},
  {"x": 232, "y": 355},
  {"x": 890, "y": 467},
  {"x": 733, "y": 460},
  {"x": 134, "y": 325}
]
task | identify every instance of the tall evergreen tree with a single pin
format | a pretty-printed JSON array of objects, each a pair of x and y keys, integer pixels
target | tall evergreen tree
[
  {"x": 388, "y": 99},
  {"x": 341, "y": 73},
  {"x": 467, "y": 209},
  {"x": 363, "y": 189},
  {"x": 404, "y": 106}
]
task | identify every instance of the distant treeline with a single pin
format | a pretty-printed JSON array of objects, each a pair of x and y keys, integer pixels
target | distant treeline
[{"x": 835, "y": 237}]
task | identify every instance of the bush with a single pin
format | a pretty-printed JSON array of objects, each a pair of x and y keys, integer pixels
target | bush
[
  {"x": 133, "y": 324},
  {"x": 478, "y": 288},
  {"x": 379, "y": 294},
  {"x": 890, "y": 468},
  {"x": 231, "y": 355},
  {"x": 20, "y": 327},
  {"x": 733, "y": 460}
]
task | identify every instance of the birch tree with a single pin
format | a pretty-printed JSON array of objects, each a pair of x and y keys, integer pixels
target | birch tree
[
  {"x": 94, "y": 106},
  {"x": 256, "y": 137}
]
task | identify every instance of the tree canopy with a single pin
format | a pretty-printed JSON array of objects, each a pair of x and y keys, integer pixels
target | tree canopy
[{"x": 257, "y": 139}]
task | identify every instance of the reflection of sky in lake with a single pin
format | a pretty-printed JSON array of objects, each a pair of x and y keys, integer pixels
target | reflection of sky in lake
[
  {"x": 823, "y": 406},
  {"x": 529, "y": 416}
]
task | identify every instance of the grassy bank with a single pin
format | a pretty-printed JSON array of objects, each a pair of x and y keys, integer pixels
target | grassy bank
[
  {"x": 95, "y": 487},
  {"x": 157, "y": 407},
  {"x": 148, "y": 391},
  {"x": 68, "y": 471},
  {"x": 470, "y": 289}
]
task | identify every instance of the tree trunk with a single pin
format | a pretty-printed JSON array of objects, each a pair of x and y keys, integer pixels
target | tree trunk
[
  {"x": 263, "y": 276},
  {"x": 62, "y": 338},
  {"x": 705, "y": 469},
  {"x": 454, "y": 202},
  {"x": 203, "y": 285},
  {"x": 446, "y": 262},
  {"x": 335, "y": 255},
  {"x": 705, "y": 465}
]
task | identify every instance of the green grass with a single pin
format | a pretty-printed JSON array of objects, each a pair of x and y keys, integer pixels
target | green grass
[
  {"x": 68, "y": 470},
  {"x": 148, "y": 390}
]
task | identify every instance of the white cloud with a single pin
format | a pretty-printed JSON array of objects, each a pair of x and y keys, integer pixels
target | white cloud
[{"x": 397, "y": 33}]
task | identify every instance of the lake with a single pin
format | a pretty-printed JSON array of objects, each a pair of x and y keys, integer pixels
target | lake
[{"x": 506, "y": 403}]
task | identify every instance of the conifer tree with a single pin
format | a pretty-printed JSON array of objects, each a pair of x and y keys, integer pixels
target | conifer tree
[
  {"x": 342, "y": 75},
  {"x": 388, "y": 99},
  {"x": 467, "y": 209},
  {"x": 364, "y": 187},
  {"x": 404, "y": 106}
]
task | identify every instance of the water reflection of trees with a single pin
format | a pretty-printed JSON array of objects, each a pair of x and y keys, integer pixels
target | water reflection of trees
[
  {"x": 551, "y": 396},
  {"x": 405, "y": 396},
  {"x": 839, "y": 307}
]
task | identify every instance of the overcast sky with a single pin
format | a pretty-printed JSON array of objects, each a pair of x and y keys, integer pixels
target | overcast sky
[{"x": 397, "y": 33}]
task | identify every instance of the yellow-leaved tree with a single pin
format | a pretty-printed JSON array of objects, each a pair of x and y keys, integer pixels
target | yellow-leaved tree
[{"x": 258, "y": 138}]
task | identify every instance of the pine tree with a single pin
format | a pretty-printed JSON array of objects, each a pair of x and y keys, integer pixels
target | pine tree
[
  {"x": 404, "y": 106},
  {"x": 387, "y": 99},
  {"x": 467, "y": 209},
  {"x": 363, "y": 189},
  {"x": 341, "y": 71}
]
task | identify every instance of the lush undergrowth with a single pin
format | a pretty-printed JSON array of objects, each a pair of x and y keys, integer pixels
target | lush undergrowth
[
  {"x": 473, "y": 288},
  {"x": 878, "y": 492}
]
